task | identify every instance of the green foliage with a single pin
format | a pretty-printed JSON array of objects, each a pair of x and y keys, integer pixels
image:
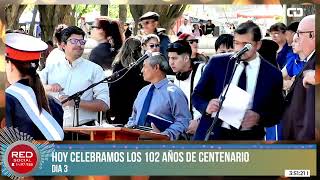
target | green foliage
[
  {"x": 114, "y": 11},
  {"x": 81, "y": 9}
]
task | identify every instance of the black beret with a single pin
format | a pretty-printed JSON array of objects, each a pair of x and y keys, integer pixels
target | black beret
[{"x": 150, "y": 15}]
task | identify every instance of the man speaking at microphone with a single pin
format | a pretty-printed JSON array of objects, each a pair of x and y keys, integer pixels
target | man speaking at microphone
[{"x": 254, "y": 75}]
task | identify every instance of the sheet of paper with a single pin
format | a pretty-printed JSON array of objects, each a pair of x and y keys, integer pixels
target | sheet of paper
[{"x": 234, "y": 106}]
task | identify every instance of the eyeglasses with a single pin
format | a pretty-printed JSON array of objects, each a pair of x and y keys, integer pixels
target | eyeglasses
[
  {"x": 302, "y": 32},
  {"x": 193, "y": 40},
  {"x": 76, "y": 41},
  {"x": 154, "y": 45},
  {"x": 147, "y": 22}
]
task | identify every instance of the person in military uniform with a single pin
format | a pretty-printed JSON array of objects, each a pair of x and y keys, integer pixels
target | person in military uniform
[
  {"x": 149, "y": 23},
  {"x": 27, "y": 107}
]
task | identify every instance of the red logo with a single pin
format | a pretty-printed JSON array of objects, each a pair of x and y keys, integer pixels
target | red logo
[{"x": 22, "y": 157}]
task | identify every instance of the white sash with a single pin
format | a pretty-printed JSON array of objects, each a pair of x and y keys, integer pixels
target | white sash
[{"x": 44, "y": 121}]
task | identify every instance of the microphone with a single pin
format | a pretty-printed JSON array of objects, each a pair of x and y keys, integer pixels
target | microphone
[
  {"x": 116, "y": 74},
  {"x": 238, "y": 54},
  {"x": 146, "y": 55}
]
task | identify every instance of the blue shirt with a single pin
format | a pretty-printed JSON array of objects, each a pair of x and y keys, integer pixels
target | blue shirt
[
  {"x": 294, "y": 65},
  {"x": 169, "y": 102},
  {"x": 285, "y": 54}
]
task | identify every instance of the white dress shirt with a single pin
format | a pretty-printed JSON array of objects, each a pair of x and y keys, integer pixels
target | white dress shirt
[
  {"x": 55, "y": 56},
  {"x": 76, "y": 77},
  {"x": 252, "y": 72},
  {"x": 185, "y": 29}
]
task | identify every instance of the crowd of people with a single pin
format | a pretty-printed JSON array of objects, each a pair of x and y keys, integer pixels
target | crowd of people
[
  {"x": 196, "y": 29},
  {"x": 278, "y": 74}
]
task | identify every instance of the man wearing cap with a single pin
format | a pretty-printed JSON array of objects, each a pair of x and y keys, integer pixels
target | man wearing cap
[
  {"x": 187, "y": 76},
  {"x": 27, "y": 107},
  {"x": 161, "y": 99},
  {"x": 149, "y": 23},
  {"x": 261, "y": 81},
  {"x": 74, "y": 74}
]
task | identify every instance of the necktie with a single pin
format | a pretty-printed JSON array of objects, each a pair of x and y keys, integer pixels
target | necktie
[
  {"x": 243, "y": 77},
  {"x": 145, "y": 107}
]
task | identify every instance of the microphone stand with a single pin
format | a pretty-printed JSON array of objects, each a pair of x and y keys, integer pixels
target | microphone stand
[
  {"x": 76, "y": 96},
  {"x": 221, "y": 100}
]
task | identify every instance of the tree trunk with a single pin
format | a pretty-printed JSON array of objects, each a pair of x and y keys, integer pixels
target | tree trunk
[
  {"x": 104, "y": 10},
  {"x": 51, "y": 16},
  {"x": 123, "y": 13},
  {"x": 33, "y": 22},
  {"x": 168, "y": 13},
  {"x": 12, "y": 15}
]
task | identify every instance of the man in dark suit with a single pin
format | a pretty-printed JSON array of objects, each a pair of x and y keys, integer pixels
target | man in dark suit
[
  {"x": 299, "y": 114},
  {"x": 262, "y": 81}
]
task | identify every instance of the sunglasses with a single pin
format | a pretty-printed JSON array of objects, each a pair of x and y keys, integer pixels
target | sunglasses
[
  {"x": 147, "y": 22},
  {"x": 76, "y": 41},
  {"x": 193, "y": 40},
  {"x": 154, "y": 45}
]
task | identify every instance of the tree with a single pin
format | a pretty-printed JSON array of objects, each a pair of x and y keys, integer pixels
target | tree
[
  {"x": 33, "y": 21},
  {"x": 12, "y": 15},
  {"x": 51, "y": 16},
  {"x": 168, "y": 13},
  {"x": 104, "y": 10},
  {"x": 79, "y": 10},
  {"x": 123, "y": 13}
]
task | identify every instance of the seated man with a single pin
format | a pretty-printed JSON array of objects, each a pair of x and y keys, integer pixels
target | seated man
[{"x": 161, "y": 98}]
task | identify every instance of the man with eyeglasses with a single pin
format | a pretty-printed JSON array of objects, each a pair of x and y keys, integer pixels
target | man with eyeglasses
[
  {"x": 187, "y": 76},
  {"x": 75, "y": 73},
  {"x": 261, "y": 80},
  {"x": 149, "y": 23},
  {"x": 299, "y": 114}
]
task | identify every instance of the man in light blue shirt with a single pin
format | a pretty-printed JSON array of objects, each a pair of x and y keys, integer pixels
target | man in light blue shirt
[{"x": 161, "y": 98}]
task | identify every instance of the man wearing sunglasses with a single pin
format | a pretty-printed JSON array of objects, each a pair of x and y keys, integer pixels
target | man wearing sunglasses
[
  {"x": 299, "y": 114},
  {"x": 149, "y": 23},
  {"x": 75, "y": 73},
  {"x": 187, "y": 76},
  {"x": 261, "y": 80}
]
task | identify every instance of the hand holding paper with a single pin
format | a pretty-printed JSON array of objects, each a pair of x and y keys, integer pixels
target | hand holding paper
[
  {"x": 250, "y": 119},
  {"x": 234, "y": 106}
]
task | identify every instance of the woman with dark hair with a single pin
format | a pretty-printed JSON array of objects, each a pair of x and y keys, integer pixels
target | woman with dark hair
[
  {"x": 110, "y": 39},
  {"x": 194, "y": 44},
  {"x": 124, "y": 91},
  {"x": 27, "y": 107}
]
